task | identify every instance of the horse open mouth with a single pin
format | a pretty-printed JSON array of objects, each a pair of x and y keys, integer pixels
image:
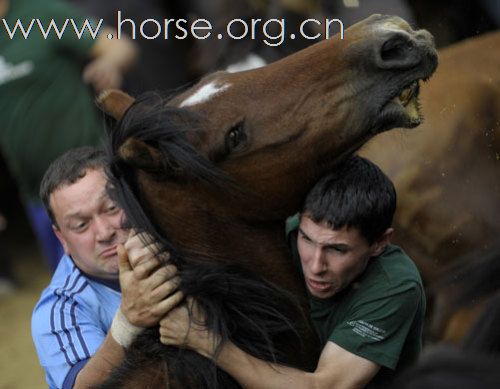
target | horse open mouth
[
  {"x": 408, "y": 99},
  {"x": 407, "y": 104}
]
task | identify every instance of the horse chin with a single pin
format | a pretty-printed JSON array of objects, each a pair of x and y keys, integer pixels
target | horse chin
[{"x": 408, "y": 116}]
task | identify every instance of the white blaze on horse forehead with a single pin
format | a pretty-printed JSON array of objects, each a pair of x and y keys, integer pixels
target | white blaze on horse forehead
[{"x": 205, "y": 93}]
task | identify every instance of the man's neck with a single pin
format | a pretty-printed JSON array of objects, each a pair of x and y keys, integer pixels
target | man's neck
[{"x": 113, "y": 284}]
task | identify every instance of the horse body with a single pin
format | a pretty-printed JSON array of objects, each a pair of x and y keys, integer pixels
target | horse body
[
  {"x": 252, "y": 145},
  {"x": 447, "y": 172}
]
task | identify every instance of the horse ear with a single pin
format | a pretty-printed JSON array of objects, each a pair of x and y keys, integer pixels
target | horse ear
[
  {"x": 140, "y": 155},
  {"x": 114, "y": 102},
  {"x": 145, "y": 157}
]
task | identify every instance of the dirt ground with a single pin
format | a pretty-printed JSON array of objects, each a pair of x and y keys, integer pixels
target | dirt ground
[{"x": 19, "y": 367}]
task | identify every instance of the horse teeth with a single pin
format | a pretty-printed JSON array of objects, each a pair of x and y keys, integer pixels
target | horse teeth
[
  {"x": 405, "y": 96},
  {"x": 408, "y": 93}
]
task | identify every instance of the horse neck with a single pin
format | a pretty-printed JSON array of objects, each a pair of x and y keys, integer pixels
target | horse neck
[
  {"x": 281, "y": 178},
  {"x": 205, "y": 225}
]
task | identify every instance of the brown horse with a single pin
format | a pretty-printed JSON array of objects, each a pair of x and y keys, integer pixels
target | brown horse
[
  {"x": 472, "y": 362},
  {"x": 447, "y": 173},
  {"x": 217, "y": 170},
  {"x": 467, "y": 301}
]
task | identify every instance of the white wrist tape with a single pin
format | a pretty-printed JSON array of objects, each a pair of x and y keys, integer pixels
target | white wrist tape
[{"x": 122, "y": 331}]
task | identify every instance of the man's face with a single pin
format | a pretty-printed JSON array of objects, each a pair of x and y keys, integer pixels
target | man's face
[
  {"x": 331, "y": 259},
  {"x": 89, "y": 224}
]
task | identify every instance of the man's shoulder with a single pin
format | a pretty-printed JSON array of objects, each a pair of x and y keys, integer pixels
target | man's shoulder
[
  {"x": 70, "y": 288},
  {"x": 390, "y": 275},
  {"x": 291, "y": 227},
  {"x": 292, "y": 224},
  {"x": 66, "y": 275},
  {"x": 396, "y": 267},
  {"x": 382, "y": 307},
  {"x": 67, "y": 286}
]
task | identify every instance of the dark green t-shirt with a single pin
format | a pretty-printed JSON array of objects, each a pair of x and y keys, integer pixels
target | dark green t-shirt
[
  {"x": 45, "y": 108},
  {"x": 379, "y": 316}
]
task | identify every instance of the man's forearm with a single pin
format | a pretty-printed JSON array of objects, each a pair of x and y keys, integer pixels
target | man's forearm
[
  {"x": 337, "y": 368},
  {"x": 98, "y": 368},
  {"x": 251, "y": 372},
  {"x": 181, "y": 328}
]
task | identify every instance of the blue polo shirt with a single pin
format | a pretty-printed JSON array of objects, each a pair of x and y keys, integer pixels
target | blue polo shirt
[{"x": 71, "y": 320}]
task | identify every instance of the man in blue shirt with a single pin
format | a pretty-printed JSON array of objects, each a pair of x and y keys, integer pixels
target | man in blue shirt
[{"x": 82, "y": 323}]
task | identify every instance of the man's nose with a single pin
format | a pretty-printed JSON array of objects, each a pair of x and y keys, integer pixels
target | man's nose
[
  {"x": 318, "y": 263},
  {"x": 105, "y": 230}
]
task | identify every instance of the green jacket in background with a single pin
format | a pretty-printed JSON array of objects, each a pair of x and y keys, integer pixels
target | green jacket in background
[{"x": 45, "y": 108}]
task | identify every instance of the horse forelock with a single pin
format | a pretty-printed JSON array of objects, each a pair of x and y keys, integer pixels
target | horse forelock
[
  {"x": 166, "y": 129},
  {"x": 150, "y": 121}
]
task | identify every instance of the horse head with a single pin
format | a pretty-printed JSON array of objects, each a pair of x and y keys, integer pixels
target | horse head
[{"x": 275, "y": 130}]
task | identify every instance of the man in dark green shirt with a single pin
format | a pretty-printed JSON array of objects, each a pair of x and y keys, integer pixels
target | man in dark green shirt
[{"x": 366, "y": 296}]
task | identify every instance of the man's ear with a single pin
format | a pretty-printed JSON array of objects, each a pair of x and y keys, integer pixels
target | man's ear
[
  {"x": 61, "y": 238},
  {"x": 382, "y": 242}
]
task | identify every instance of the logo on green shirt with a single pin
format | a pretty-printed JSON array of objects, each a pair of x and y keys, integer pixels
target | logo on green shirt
[
  {"x": 367, "y": 330},
  {"x": 10, "y": 72}
]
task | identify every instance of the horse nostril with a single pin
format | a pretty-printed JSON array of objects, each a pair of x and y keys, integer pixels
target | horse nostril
[
  {"x": 396, "y": 48},
  {"x": 397, "y": 51}
]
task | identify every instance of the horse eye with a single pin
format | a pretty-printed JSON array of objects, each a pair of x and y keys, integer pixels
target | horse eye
[{"x": 235, "y": 137}]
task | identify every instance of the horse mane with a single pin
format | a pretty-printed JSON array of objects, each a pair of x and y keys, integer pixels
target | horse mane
[
  {"x": 474, "y": 363},
  {"x": 240, "y": 306},
  {"x": 150, "y": 120}
]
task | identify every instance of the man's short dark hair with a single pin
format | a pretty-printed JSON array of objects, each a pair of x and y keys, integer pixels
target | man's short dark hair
[
  {"x": 68, "y": 169},
  {"x": 357, "y": 194}
]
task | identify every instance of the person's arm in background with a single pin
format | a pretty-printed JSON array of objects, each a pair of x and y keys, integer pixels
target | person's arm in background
[
  {"x": 148, "y": 293},
  {"x": 337, "y": 368},
  {"x": 110, "y": 60}
]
